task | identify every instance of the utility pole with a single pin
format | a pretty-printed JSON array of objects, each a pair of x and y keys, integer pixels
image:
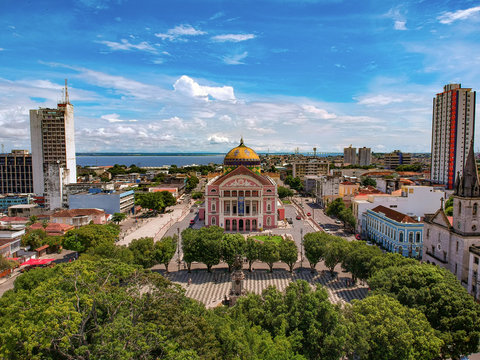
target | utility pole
[{"x": 178, "y": 248}]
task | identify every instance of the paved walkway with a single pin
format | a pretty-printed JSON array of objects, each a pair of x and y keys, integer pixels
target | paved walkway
[
  {"x": 156, "y": 227},
  {"x": 211, "y": 288}
]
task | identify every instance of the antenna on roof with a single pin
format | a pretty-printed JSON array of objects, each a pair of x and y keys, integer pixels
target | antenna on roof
[{"x": 67, "y": 100}]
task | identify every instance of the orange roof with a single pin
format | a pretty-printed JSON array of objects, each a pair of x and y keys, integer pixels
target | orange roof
[
  {"x": 52, "y": 227},
  {"x": 450, "y": 220},
  {"x": 394, "y": 215},
  {"x": 78, "y": 212},
  {"x": 13, "y": 218},
  {"x": 378, "y": 173},
  {"x": 409, "y": 173},
  {"x": 406, "y": 181},
  {"x": 347, "y": 183}
]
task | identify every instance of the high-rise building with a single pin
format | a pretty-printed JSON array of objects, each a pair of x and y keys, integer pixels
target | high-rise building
[
  {"x": 16, "y": 172},
  {"x": 364, "y": 156},
  {"x": 453, "y": 127},
  {"x": 53, "y": 151},
  {"x": 396, "y": 158},
  {"x": 309, "y": 166},
  {"x": 350, "y": 155}
]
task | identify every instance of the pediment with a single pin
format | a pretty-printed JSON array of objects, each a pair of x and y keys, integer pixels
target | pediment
[
  {"x": 239, "y": 182},
  {"x": 440, "y": 219}
]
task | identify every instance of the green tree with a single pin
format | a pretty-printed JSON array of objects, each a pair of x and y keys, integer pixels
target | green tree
[
  {"x": 269, "y": 253},
  {"x": 34, "y": 238},
  {"x": 335, "y": 252},
  {"x": 315, "y": 245},
  {"x": 294, "y": 182},
  {"x": 437, "y": 293},
  {"x": 197, "y": 195},
  {"x": 359, "y": 259},
  {"x": 90, "y": 236},
  {"x": 252, "y": 251},
  {"x": 192, "y": 183},
  {"x": 335, "y": 207},
  {"x": 118, "y": 217},
  {"x": 346, "y": 215},
  {"x": 368, "y": 181},
  {"x": 165, "y": 250},
  {"x": 380, "y": 327},
  {"x": 233, "y": 245},
  {"x": 210, "y": 245},
  {"x": 6, "y": 264},
  {"x": 32, "y": 220},
  {"x": 288, "y": 253},
  {"x": 150, "y": 200},
  {"x": 109, "y": 251},
  {"x": 190, "y": 247},
  {"x": 143, "y": 251},
  {"x": 284, "y": 192},
  {"x": 449, "y": 206}
]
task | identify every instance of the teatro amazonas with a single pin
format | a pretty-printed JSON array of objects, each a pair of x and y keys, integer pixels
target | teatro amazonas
[{"x": 241, "y": 199}]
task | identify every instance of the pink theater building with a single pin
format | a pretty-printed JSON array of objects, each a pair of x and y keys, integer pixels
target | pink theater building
[{"x": 241, "y": 199}]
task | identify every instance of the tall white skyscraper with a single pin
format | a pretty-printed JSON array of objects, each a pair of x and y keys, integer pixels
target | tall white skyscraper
[
  {"x": 350, "y": 155},
  {"x": 364, "y": 156},
  {"x": 53, "y": 151},
  {"x": 453, "y": 127}
]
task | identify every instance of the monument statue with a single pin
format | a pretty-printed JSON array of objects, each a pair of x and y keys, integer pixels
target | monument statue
[{"x": 237, "y": 280}]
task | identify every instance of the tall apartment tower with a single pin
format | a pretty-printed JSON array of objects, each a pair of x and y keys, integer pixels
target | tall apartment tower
[
  {"x": 350, "y": 155},
  {"x": 53, "y": 151},
  {"x": 453, "y": 127},
  {"x": 364, "y": 156}
]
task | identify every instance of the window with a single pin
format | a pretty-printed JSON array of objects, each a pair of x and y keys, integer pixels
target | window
[
  {"x": 428, "y": 233},
  {"x": 475, "y": 260},
  {"x": 226, "y": 193},
  {"x": 213, "y": 221},
  {"x": 269, "y": 207},
  {"x": 213, "y": 191},
  {"x": 268, "y": 221},
  {"x": 459, "y": 208},
  {"x": 401, "y": 237},
  {"x": 410, "y": 237},
  {"x": 213, "y": 207},
  {"x": 456, "y": 269},
  {"x": 475, "y": 208},
  {"x": 456, "y": 248},
  {"x": 418, "y": 237}
]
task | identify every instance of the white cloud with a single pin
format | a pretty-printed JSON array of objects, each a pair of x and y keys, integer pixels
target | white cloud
[
  {"x": 378, "y": 100},
  {"x": 124, "y": 44},
  {"x": 180, "y": 31},
  {"x": 2, "y": 49},
  {"x": 451, "y": 16},
  {"x": 218, "y": 139},
  {"x": 235, "y": 59},
  {"x": 186, "y": 85},
  {"x": 217, "y": 15},
  {"x": 233, "y": 37},
  {"x": 321, "y": 113},
  {"x": 400, "y": 25},
  {"x": 115, "y": 118}
]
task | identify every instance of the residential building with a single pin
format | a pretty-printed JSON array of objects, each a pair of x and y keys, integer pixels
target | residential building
[
  {"x": 16, "y": 222},
  {"x": 16, "y": 172},
  {"x": 110, "y": 202},
  {"x": 347, "y": 188},
  {"x": 25, "y": 210},
  {"x": 10, "y": 241},
  {"x": 241, "y": 199},
  {"x": 414, "y": 201},
  {"x": 396, "y": 158},
  {"x": 53, "y": 151},
  {"x": 473, "y": 273},
  {"x": 394, "y": 231},
  {"x": 309, "y": 166},
  {"x": 364, "y": 156},
  {"x": 326, "y": 189},
  {"x": 350, "y": 156},
  {"x": 52, "y": 229},
  {"x": 448, "y": 240},
  {"x": 453, "y": 126},
  {"x": 79, "y": 217}
]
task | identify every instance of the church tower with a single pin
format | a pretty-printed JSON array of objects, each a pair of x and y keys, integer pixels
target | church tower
[{"x": 466, "y": 199}]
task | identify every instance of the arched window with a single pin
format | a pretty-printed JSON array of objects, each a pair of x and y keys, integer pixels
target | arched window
[
  {"x": 475, "y": 208},
  {"x": 213, "y": 220},
  {"x": 401, "y": 237},
  {"x": 418, "y": 237},
  {"x": 459, "y": 208},
  {"x": 213, "y": 207},
  {"x": 268, "y": 221},
  {"x": 410, "y": 237},
  {"x": 269, "y": 207},
  {"x": 213, "y": 190}
]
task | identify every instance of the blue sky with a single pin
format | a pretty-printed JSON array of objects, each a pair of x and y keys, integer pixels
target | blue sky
[{"x": 172, "y": 76}]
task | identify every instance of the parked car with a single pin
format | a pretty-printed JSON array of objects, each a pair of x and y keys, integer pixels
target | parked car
[
  {"x": 308, "y": 214},
  {"x": 358, "y": 237},
  {"x": 192, "y": 221},
  {"x": 298, "y": 217},
  {"x": 338, "y": 222}
]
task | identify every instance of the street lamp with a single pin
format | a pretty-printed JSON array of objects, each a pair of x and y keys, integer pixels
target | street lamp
[
  {"x": 301, "y": 248},
  {"x": 178, "y": 248}
]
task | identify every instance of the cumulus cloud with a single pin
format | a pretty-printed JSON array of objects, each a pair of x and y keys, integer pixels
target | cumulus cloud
[
  {"x": 451, "y": 16},
  {"x": 218, "y": 139},
  {"x": 179, "y": 32},
  {"x": 115, "y": 118},
  {"x": 124, "y": 44},
  {"x": 186, "y": 85},
  {"x": 233, "y": 37},
  {"x": 399, "y": 21},
  {"x": 235, "y": 59},
  {"x": 321, "y": 113}
]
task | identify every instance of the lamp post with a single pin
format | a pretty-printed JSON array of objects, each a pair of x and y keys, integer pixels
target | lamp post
[
  {"x": 178, "y": 248},
  {"x": 301, "y": 248}
]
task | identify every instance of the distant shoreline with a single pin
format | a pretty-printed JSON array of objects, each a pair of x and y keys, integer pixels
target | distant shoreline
[{"x": 188, "y": 154}]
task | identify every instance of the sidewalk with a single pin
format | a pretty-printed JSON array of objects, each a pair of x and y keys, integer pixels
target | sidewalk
[{"x": 158, "y": 226}]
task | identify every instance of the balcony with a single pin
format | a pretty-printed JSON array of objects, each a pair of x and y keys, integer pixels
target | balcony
[{"x": 429, "y": 253}]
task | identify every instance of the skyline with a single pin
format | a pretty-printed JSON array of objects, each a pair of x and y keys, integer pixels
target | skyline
[{"x": 187, "y": 76}]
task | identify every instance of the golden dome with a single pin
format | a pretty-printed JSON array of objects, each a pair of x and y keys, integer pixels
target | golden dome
[{"x": 242, "y": 155}]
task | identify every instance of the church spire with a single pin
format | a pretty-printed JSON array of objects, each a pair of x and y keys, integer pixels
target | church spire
[{"x": 469, "y": 186}]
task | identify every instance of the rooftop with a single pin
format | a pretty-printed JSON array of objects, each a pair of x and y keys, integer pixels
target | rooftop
[{"x": 394, "y": 215}]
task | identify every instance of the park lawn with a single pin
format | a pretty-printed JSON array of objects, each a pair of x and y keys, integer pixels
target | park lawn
[
  {"x": 275, "y": 238},
  {"x": 286, "y": 202}
]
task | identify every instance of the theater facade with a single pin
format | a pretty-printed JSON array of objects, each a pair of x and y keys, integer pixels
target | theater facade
[{"x": 241, "y": 199}]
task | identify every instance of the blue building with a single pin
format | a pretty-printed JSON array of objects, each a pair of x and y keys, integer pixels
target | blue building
[
  {"x": 111, "y": 202},
  {"x": 394, "y": 231},
  {"x": 7, "y": 201}
]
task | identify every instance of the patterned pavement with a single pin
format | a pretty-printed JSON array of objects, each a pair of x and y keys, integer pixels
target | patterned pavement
[{"x": 211, "y": 289}]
